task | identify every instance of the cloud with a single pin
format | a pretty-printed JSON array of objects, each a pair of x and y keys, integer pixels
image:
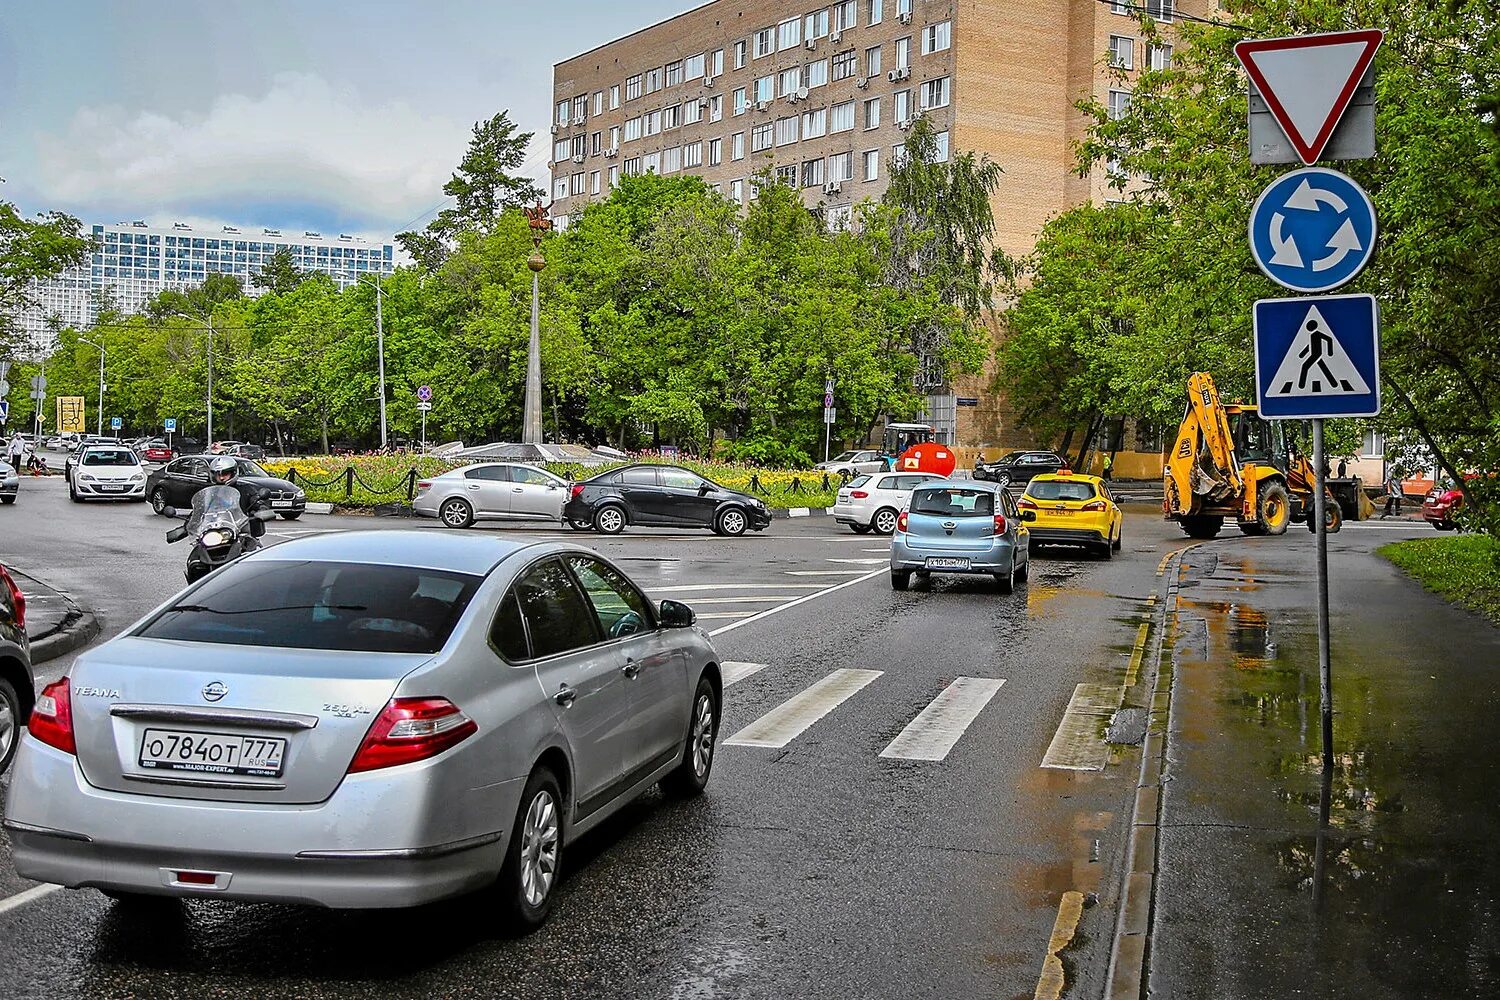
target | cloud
[{"x": 304, "y": 143}]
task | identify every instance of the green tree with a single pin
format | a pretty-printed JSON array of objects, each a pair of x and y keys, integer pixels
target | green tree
[
  {"x": 33, "y": 250},
  {"x": 280, "y": 274}
]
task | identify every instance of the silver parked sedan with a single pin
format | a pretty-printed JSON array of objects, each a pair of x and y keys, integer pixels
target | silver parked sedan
[
  {"x": 10, "y": 483},
  {"x": 492, "y": 490},
  {"x": 365, "y": 719},
  {"x": 961, "y": 526}
]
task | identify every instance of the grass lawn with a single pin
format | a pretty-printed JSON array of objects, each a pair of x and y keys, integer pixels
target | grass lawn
[{"x": 1465, "y": 569}]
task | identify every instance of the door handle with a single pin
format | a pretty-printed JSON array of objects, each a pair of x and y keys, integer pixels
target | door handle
[
  {"x": 565, "y": 695},
  {"x": 631, "y": 668},
  {"x": 517, "y": 489},
  {"x": 473, "y": 486}
]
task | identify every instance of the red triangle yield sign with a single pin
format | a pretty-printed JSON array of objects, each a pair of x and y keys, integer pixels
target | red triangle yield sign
[{"x": 1308, "y": 81}]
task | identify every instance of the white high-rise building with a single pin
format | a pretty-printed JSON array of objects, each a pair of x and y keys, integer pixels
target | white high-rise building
[{"x": 134, "y": 261}]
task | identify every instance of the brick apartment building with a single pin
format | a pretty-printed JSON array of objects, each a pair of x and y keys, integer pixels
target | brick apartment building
[{"x": 823, "y": 96}]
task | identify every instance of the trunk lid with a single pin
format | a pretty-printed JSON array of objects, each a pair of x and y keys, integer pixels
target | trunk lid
[
  {"x": 951, "y": 519},
  {"x": 133, "y": 705}
]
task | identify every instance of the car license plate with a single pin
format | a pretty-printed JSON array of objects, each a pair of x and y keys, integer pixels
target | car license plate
[
  {"x": 947, "y": 562},
  {"x": 281, "y": 503},
  {"x": 111, "y": 489},
  {"x": 212, "y": 753}
]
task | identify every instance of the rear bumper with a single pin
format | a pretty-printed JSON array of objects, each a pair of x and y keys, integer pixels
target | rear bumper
[
  {"x": 995, "y": 559},
  {"x": 1070, "y": 536},
  {"x": 373, "y": 844}
]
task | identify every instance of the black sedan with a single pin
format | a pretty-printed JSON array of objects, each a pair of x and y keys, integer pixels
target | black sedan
[
  {"x": 174, "y": 484},
  {"x": 662, "y": 496},
  {"x": 1019, "y": 467}
]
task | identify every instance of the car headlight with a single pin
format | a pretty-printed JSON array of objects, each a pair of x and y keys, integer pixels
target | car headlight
[
  {"x": 138, "y": 478},
  {"x": 213, "y": 539},
  {"x": 87, "y": 478},
  {"x": 299, "y": 495}
]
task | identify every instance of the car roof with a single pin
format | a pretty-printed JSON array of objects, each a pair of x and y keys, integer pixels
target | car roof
[
  {"x": 1071, "y": 477},
  {"x": 975, "y": 484},
  {"x": 465, "y": 552}
]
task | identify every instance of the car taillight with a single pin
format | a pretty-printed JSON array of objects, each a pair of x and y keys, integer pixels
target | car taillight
[
  {"x": 577, "y": 490},
  {"x": 1096, "y": 505},
  {"x": 901, "y": 521},
  {"x": 1026, "y": 504},
  {"x": 424, "y": 484},
  {"x": 16, "y": 597},
  {"x": 999, "y": 524},
  {"x": 858, "y": 494},
  {"x": 412, "y": 729},
  {"x": 52, "y": 717}
]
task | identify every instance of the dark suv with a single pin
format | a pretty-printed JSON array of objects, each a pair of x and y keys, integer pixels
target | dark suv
[
  {"x": 16, "y": 689},
  {"x": 1019, "y": 467},
  {"x": 662, "y": 496}
]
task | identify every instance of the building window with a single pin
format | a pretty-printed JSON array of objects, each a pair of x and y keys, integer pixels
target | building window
[
  {"x": 790, "y": 81},
  {"x": 716, "y": 63},
  {"x": 845, "y": 15},
  {"x": 1121, "y": 52},
  {"x": 903, "y": 7},
  {"x": 739, "y": 54},
  {"x": 937, "y": 37},
  {"x": 692, "y": 154},
  {"x": 737, "y": 192},
  {"x": 693, "y": 67},
  {"x": 816, "y": 24},
  {"x": 674, "y": 73},
  {"x": 903, "y": 53},
  {"x": 815, "y": 123},
  {"x": 740, "y": 101},
  {"x": 596, "y": 143},
  {"x": 671, "y": 159},
  {"x": 632, "y": 166},
  {"x": 901, "y": 106},
  {"x": 580, "y": 107},
  {"x": 1119, "y": 103},
  {"x": 761, "y": 137},
  {"x": 877, "y": 12},
  {"x": 935, "y": 93},
  {"x": 560, "y": 150},
  {"x": 692, "y": 113},
  {"x": 841, "y": 167},
  {"x": 598, "y": 103},
  {"x": 579, "y": 183},
  {"x": 737, "y": 146},
  {"x": 1161, "y": 10},
  {"x": 841, "y": 117},
  {"x": 787, "y": 175},
  {"x": 652, "y": 163},
  {"x": 789, "y": 34},
  {"x": 872, "y": 164},
  {"x": 816, "y": 74},
  {"x": 632, "y": 129},
  {"x": 786, "y": 131},
  {"x": 1373, "y": 445},
  {"x": 594, "y": 182},
  {"x": 1161, "y": 56},
  {"x": 765, "y": 89},
  {"x": 632, "y": 88},
  {"x": 872, "y": 113},
  {"x": 872, "y": 61},
  {"x": 562, "y": 112},
  {"x": 812, "y": 173},
  {"x": 653, "y": 123},
  {"x": 716, "y": 108},
  {"x": 580, "y": 146},
  {"x": 1120, "y": 7},
  {"x": 614, "y": 176},
  {"x": 614, "y": 97},
  {"x": 715, "y": 152},
  {"x": 940, "y": 150},
  {"x": 653, "y": 80},
  {"x": 614, "y": 137},
  {"x": 765, "y": 42},
  {"x": 844, "y": 65}
]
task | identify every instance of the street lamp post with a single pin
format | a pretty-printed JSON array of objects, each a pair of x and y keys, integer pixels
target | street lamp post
[
  {"x": 207, "y": 321},
  {"x": 380, "y": 355},
  {"x": 531, "y": 421},
  {"x": 98, "y": 417}
]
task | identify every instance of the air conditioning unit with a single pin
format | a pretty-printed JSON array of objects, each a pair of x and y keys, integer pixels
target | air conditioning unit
[
  {"x": 906, "y": 17},
  {"x": 792, "y": 97},
  {"x": 612, "y": 152},
  {"x": 703, "y": 103},
  {"x": 578, "y": 158},
  {"x": 577, "y": 119},
  {"x": 811, "y": 44},
  {"x": 862, "y": 82},
  {"x": 554, "y": 129},
  {"x": 904, "y": 73},
  {"x": 893, "y": 75},
  {"x": 835, "y": 35},
  {"x": 832, "y": 187},
  {"x": 708, "y": 81},
  {"x": 762, "y": 105}
]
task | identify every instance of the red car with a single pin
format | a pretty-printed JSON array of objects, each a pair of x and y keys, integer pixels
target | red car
[
  {"x": 1441, "y": 507},
  {"x": 156, "y": 452}
]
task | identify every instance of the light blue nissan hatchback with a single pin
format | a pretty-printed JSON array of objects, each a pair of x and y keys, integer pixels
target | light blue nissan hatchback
[{"x": 960, "y": 526}]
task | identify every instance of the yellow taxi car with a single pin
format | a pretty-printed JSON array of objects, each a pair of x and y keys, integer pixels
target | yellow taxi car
[{"x": 1073, "y": 510}]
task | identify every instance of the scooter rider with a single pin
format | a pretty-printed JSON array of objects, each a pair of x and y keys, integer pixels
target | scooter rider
[{"x": 225, "y": 471}]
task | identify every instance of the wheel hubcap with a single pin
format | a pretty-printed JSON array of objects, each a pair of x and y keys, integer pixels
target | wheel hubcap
[
  {"x": 610, "y": 520},
  {"x": 539, "y": 848},
  {"x": 885, "y": 522},
  {"x": 734, "y": 523},
  {"x": 158, "y": 501},
  {"x": 454, "y": 514},
  {"x": 703, "y": 736},
  {"x": 7, "y": 728}
]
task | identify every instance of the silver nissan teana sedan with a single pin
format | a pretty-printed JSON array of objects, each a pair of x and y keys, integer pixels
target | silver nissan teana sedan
[{"x": 365, "y": 719}]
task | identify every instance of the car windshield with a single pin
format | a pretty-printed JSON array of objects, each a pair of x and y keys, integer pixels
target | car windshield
[
  {"x": 857, "y": 481},
  {"x": 953, "y": 501},
  {"x": 110, "y": 457},
  {"x": 249, "y": 468},
  {"x": 321, "y": 605},
  {"x": 1060, "y": 490},
  {"x": 847, "y": 456}
]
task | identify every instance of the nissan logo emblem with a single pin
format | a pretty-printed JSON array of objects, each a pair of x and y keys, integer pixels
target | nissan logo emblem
[{"x": 214, "y": 690}]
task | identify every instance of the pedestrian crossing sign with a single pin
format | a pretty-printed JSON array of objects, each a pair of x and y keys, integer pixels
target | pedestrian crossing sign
[{"x": 1317, "y": 356}]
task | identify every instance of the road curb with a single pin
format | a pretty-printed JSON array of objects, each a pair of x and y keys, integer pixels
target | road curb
[
  {"x": 79, "y": 627},
  {"x": 1132, "y": 937},
  {"x": 782, "y": 512}
]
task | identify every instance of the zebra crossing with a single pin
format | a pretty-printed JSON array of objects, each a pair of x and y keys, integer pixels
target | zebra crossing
[{"x": 929, "y": 736}]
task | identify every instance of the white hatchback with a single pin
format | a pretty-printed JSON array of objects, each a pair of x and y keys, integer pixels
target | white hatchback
[
  {"x": 107, "y": 472},
  {"x": 872, "y": 503}
]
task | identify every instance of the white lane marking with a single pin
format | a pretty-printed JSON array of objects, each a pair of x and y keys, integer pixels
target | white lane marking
[
  {"x": 938, "y": 727},
  {"x": 744, "y": 600},
  {"x": 1078, "y": 744},
  {"x": 1409, "y": 526},
  {"x": 735, "y": 671},
  {"x": 734, "y": 586},
  {"x": 860, "y": 562},
  {"x": 792, "y": 604},
  {"x": 793, "y": 717},
  {"x": 737, "y": 614},
  {"x": 886, "y": 550},
  {"x": 821, "y": 572},
  {"x": 22, "y": 898}
]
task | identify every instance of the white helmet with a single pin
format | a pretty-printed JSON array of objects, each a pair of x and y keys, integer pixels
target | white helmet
[{"x": 223, "y": 470}]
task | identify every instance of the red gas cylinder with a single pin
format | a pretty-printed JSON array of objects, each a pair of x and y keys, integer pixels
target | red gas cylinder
[{"x": 937, "y": 459}]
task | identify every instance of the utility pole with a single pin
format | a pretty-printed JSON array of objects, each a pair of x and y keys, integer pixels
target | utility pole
[
  {"x": 98, "y": 417},
  {"x": 208, "y": 321},
  {"x": 531, "y": 420},
  {"x": 380, "y": 352}
]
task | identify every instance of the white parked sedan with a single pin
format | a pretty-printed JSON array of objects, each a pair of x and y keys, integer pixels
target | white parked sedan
[
  {"x": 107, "y": 472},
  {"x": 869, "y": 503},
  {"x": 491, "y": 491}
]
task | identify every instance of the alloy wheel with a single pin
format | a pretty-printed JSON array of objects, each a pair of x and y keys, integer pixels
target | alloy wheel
[
  {"x": 610, "y": 520},
  {"x": 885, "y": 521},
  {"x": 158, "y": 499},
  {"x": 703, "y": 735},
  {"x": 8, "y": 730},
  {"x": 539, "y": 848},
  {"x": 733, "y": 522},
  {"x": 455, "y": 514}
]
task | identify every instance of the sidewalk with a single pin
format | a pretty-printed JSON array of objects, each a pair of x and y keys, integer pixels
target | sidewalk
[
  {"x": 1399, "y": 896},
  {"x": 55, "y": 622}
]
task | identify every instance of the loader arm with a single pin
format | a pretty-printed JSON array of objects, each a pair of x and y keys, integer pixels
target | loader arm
[{"x": 1203, "y": 462}]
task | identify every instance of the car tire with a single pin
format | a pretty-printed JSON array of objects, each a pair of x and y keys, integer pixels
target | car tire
[
  {"x": 690, "y": 777},
  {"x": 731, "y": 522},
  {"x": 455, "y": 512},
  {"x": 860, "y": 529},
  {"x": 1002, "y": 480},
  {"x": 900, "y": 579},
  {"x": 534, "y": 858},
  {"x": 577, "y": 525},
  {"x": 290, "y": 515},
  {"x": 159, "y": 499},
  {"x": 1273, "y": 509},
  {"x": 609, "y": 519},
  {"x": 73, "y": 495},
  {"x": 1120, "y": 538},
  {"x": 1007, "y": 580},
  {"x": 1024, "y": 573},
  {"x": 1106, "y": 550},
  {"x": 1202, "y": 526},
  {"x": 884, "y": 521},
  {"x": 11, "y": 723}
]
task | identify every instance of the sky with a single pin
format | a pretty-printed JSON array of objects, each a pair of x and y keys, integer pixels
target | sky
[{"x": 327, "y": 115}]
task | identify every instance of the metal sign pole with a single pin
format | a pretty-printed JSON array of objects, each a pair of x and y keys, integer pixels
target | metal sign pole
[
  {"x": 424, "y": 432},
  {"x": 1325, "y": 668}
]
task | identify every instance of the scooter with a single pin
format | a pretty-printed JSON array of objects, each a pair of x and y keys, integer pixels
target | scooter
[{"x": 220, "y": 529}]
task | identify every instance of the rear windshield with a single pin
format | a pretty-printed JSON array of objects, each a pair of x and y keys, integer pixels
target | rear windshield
[
  {"x": 321, "y": 605},
  {"x": 123, "y": 456},
  {"x": 953, "y": 501},
  {"x": 858, "y": 481},
  {"x": 1060, "y": 490}
]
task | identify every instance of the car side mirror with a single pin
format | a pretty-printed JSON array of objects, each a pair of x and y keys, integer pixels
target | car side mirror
[
  {"x": 675, "y": 614},
  {"x": 1028, "y": 515},
  {"x": 705, "y": 490}
]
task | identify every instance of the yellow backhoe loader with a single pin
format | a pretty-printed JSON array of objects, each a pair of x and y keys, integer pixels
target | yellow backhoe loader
[{"x": 1229, "y": 463}]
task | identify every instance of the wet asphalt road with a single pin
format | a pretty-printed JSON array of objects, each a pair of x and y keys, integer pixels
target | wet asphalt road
[{"x": 817, "y": 870}]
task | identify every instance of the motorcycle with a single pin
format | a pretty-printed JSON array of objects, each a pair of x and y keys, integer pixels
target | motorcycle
[{"x": 220, "y": 529}]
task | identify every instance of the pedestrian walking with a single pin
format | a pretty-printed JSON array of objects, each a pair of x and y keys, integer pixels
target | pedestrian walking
[
  {"x": 1392, "y": 493},
  {"x": 1109, "y": 466},
  {"x": 1343, "y": 469},
  {"x": 15, "y": 451}
]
